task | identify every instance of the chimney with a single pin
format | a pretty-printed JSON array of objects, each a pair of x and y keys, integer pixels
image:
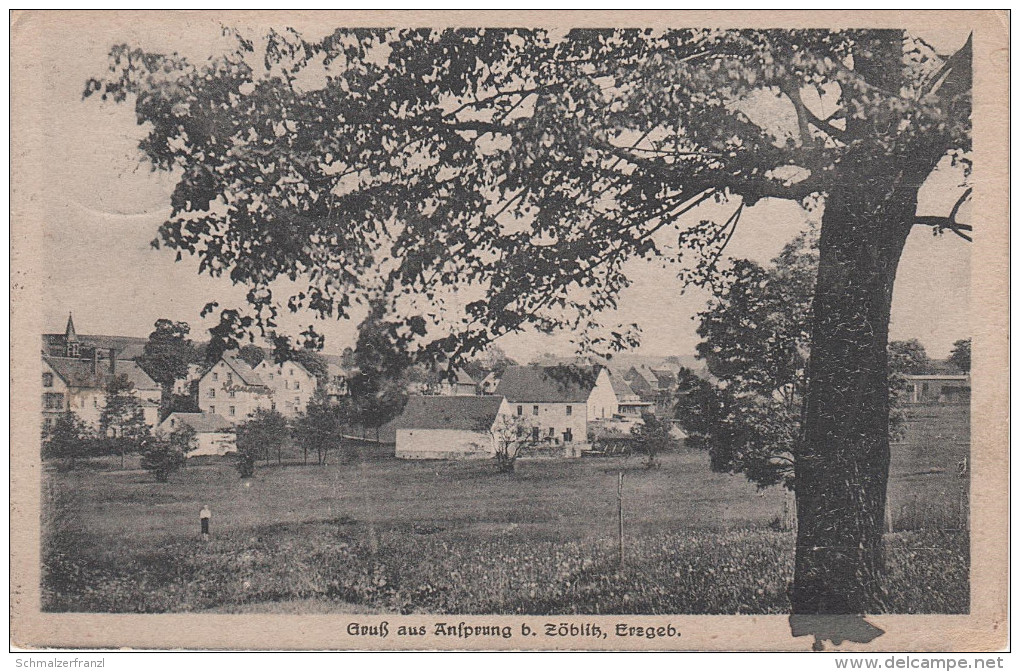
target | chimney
[
  {"x": 113, "y": 362},
  {"x": 95, "y": 361}
]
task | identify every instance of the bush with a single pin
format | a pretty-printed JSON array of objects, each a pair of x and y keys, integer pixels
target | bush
[
  {"x": 161, "y": 458},
  {"x": 246, "y": 456},
  {"x": 69, "y": 439}
]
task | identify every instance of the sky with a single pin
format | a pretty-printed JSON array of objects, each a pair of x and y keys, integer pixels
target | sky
[{"x": 101, "y": 207}]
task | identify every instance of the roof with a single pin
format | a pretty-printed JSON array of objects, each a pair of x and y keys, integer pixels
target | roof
[
  {"x": 665, "y": 378},
  {"x": 201, "y": 422},
  {"x": 547, "y": 384},
  {"x": 620, "y": 387},
  {"x": 464, "y": 378},
  {"x": 127, "y": 347},
  {"x": 243, "y": 371},
  {"x": 638, "y": 383},
  {"x": 476, "y": 413},
  {"x": 86, "y": 373},
  {"x": 279, "y": 367}
]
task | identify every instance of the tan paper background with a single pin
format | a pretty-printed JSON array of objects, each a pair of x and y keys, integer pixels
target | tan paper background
[{"x": 985, "y": 628}]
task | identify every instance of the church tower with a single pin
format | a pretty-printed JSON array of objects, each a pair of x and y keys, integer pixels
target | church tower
[{"x": 72, "y": 348}]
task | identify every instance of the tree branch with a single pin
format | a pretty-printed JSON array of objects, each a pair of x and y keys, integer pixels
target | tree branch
[{"x": 950, "y": 222}]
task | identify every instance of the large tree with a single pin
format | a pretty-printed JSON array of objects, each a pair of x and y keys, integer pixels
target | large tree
[
  {"x": 167, "y": 354},
  {"x": 525, "y": 166},
  {"x": 756, "y": 336}
]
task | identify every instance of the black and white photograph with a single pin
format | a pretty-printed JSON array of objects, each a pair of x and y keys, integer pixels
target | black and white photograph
[{"x": 497, "y": 331}]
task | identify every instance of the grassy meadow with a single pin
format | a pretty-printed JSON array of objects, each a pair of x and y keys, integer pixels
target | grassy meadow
[{"x": 371, "y": 533}]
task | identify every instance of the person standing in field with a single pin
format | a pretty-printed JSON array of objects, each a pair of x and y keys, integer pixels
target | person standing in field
[{"x": 204, "y": 515}]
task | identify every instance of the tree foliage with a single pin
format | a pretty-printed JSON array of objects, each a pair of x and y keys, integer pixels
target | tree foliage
[
  {"x": 652, "y": 436},
  {"x": 258, "y": 437},
  {"x": 512, "y": 436},
  {"x": 251, "y": 354},
  {"x": 909, "y": 357},
  {"x": 543, "y": 160},
  {"x": 320, "y": 428},
  {"x": 166, "y": 357},
  {"x": 70, "y": 439},
  {"x": 163, "y": 455},
  {"x": 960, "y": 355},
  {"x": 122, "y": 420}
]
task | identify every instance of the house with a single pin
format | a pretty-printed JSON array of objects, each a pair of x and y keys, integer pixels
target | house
[
  {"x": 231, "y": 389},
  {"x": 462, "y": 384},
  {"x": 79, "y": 385},
  {"x": 631, "y": 407},
  {"x": 449, "y": 427},
  {"x": 213, "y": 433},
  {"x": 438, "y": 383},
  {"x": 291, "y": 383},
  {"x": 489, "y": 383},
  {"x": 558, "y": 402},
  {"x": 938, "y": 388}
]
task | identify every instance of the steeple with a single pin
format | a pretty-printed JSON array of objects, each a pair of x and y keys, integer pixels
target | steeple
[
  {"x": 69, "y": 333},
  {"x": 71, "y": 346}
]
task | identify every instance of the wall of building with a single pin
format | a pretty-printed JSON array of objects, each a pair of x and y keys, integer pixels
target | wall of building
[
  {"x": 221, "y": 391},
  {"x": 438, "y": 444},
  {"x": 291, "y": 384},
  {"x": 553, "y": 420},
  {"x": 602, "y": 402}
]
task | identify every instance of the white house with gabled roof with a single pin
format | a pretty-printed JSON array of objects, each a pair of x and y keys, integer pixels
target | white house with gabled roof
[
  {"x": 292, "y": 384},
  {"x": 231, "y": 389}
]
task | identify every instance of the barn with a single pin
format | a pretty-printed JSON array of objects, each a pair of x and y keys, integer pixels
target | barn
[
  {"x": 442, "y": 428},
  {"x": 214, "y": 434}
]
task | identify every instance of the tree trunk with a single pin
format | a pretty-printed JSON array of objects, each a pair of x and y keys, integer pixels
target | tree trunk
[{"x": 843, "y": 465}]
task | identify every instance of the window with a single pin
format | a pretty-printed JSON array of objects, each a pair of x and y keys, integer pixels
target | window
[
  {"x": 534, "y": 433},
  {"x": 534, "y": 409},
  {"x": 272, "y": 405},
  {"x": 286, "y": 384},
  {"x": 291, "y": 372},
  {"x": 212, "y": 409},
  {"x": 215, "y": 376},
  {"x": 47, "y": 422},
  {"x": 53, "y": 401},
  {"x": 568, "y": 435},
  {"x": 95, "y": 402},
  {"x": 297, "y": 384},
  {"x": 230, "y": 377},
  {"x": 270, "y": 376},
  {"x": 233, "y": 410},
  {"x": 47, "y": 379},
  {"x": 520, "y": 410},
  {"x": 232, "y": 393},
  {"x": 552, "y": 432},
  {"x": 212, "y": 393},
  {"x": 570, "y": 410}
]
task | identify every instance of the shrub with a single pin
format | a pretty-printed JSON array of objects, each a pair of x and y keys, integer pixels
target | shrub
[{"x": 161, "y": 457}]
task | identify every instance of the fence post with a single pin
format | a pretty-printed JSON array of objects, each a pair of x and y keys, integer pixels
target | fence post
[{"x": 619, "y": 511}]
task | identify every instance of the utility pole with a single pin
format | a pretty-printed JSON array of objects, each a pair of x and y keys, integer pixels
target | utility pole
[{"x": 619, "y": 512}]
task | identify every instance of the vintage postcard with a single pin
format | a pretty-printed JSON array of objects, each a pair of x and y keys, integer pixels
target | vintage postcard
[{"x": 510, "y": 330}]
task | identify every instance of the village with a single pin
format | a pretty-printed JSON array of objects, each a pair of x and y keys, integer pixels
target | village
[{"x": 563, "y": 409}]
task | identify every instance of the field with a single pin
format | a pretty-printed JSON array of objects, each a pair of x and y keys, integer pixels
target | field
[{"x": 376, "y": 534}]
